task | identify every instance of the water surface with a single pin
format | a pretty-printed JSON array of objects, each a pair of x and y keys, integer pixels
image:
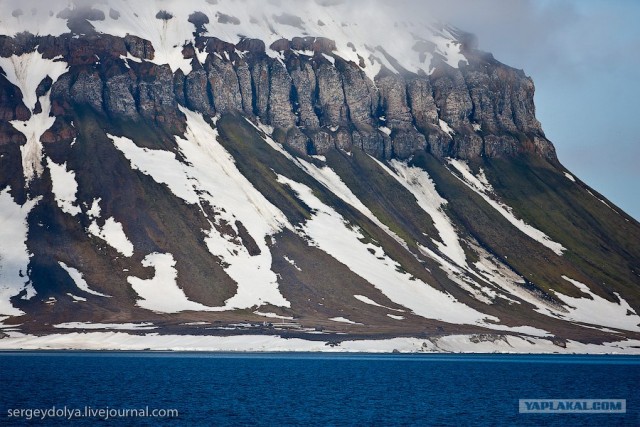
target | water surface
[{"x": 316, "y": 389}]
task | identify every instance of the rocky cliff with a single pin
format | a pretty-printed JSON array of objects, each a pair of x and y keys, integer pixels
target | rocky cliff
[{"x": 312, "y": 97}]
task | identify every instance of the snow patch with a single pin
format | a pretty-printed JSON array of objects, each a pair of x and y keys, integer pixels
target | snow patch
[
  {"x": 483, "y": 189},
  {"x": 599, "y": 311},
  {"x": 161, "y": 293},
  {"x": 64, "y": 186},
  {"x": 328, "y": 231},
  {"x": 80, "y": 282},
  {"x": 369, "y": 301},
  {"x": 292, "y": 262},
  {"x": 94, "y": 211},
  {"x": 112, "y": 233},
  {"x": 272, "y": 315},
  {"x": 14, "y": 257},
  {"x": 28, "y": 70},
  {"x": 446, "y": 128},
  {"x": 39, "y": 23},
  {"x": 162, "y": 166},
  {"x": 235, "y": 199},
  {"x": 603, "y": 202},
  {"x": 344, "y": 320},
  {"x": 209, "y": 175},
  {"x": 329, "y": 58},
  {"x": 76, "y": 298},
  {"x": 32, "y": 130},
  {"x": 419, "y": 183},
  {"x": 117, "y": 326}
]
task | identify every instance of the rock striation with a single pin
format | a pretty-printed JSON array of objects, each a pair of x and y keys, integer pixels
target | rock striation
[{"x": 314, "y": 99}]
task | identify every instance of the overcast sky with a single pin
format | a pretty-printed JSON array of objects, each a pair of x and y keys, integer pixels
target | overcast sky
[{"x": 584, "y": 57}]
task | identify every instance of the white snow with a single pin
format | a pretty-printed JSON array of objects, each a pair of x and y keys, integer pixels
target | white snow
[
  {"x": 33, "y": 129},
  {"x": 500, "y": 275},
  {"x": 292, "y": 262},
  {"x": 446, "y": 43},
  {"x": 569, "y": 177},
  {"x": 113, "y": 234},
  {"x": 28, "y": 70},
  {"x": 482, "y": 293},
  {"x": 484, "y": 190},
  {"x": 167, "y": 36},
  {"x": 332, "y": 181},
  {"x": 599, "y": 311},
  {"x": 259, "y": 343},
  {"x": 446, "y": 128},
  {"x": 39, "y": 23},
  {"x": 328, "y": 231},
  {"x": 76, "y": 298},
  {"x": 344, "y": 320},
  {"x": 393, "y": 316},
  {"x": 272, "y": 315},
  {"x": 488, "y": 272},
  {"x": 117, "y": 326},
  {"x": 235, "y": 199},
  {"x": 329, "y": 58},
  {"x": 358, "y": 32},
  {"x": 603, "y": 202},
  {"x": 528, "y": 330},
  {"x": 79, "y": 280},
  {"x": 14, "y": 255},
  {"x": 385, "y": 130},
  {"x": 210, "y": 175},
  {"x": 161, "y": 293},
  {"x": 94, "y": 211},
  {"x": 372, "y": 302},
  {"x": 419, "y": 183},
  {"x": 162, "y": 166},
  {"x": 65, "y": 187}
]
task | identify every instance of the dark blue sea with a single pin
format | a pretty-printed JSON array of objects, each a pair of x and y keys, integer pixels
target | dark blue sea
[{"x": 217, "y": 389}]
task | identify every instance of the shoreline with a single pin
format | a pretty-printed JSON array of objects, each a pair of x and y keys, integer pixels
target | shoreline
[{"x": 263, "y": 344}]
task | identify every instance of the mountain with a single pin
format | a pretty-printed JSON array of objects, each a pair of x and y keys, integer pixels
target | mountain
[{"x": 282, "y": 175}]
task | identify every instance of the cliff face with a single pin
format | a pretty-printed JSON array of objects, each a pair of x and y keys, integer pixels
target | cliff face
[{"x": 314, "y": 99}]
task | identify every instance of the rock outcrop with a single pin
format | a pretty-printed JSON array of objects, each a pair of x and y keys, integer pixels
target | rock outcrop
[{"x": 314, "y": 99}]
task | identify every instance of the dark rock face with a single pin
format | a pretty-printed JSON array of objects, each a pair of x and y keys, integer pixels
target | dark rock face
[
  {"x": 225, "y": 88},
  {"x": 11, "y": 105},
  {"x": 118, "y": 96},
  {"x": 280, "y": 110},
  {"x": 87, "y": 89},
  {"x": 139, "y": 47},
  {"x": 197, "y": 92},
  {"x": 314, "y": 100}
]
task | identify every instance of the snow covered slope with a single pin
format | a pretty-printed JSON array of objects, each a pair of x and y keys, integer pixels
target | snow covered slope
[{"x": 281, "y": 169}]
